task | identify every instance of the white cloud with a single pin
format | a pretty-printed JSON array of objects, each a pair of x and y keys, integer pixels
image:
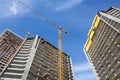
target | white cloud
[
  {"x": 82, "y": 67},
  {"x": 83, "y": 72},
  {"x": 67, "y": 5},
  {"x": 12, "y": 7},
  {"x": 85, "y": 76}
]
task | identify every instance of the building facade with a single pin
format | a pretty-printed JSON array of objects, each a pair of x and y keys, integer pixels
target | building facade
[
  {"x": 9, "y": 45},
  {"x": 102, "y": 47},
  {"x": 36, "y": 59}
]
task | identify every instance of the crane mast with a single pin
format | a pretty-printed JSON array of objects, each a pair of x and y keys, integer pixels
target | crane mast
[
  {"x": 60, "y": 67},
  {"x": 60, "y": 30}
]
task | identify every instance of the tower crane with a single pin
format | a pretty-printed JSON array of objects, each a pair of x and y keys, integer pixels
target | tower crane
[{"x": 60, "y": 30}]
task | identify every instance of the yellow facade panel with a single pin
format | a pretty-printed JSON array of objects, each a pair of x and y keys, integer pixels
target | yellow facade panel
[
  {"x": 91, "y": 34},
  {"x": 88, "y": 44},
  {"x": 96, "y": 22},
  {"x": 94, "y": 26},
  {"x": 89, "y": 31}
]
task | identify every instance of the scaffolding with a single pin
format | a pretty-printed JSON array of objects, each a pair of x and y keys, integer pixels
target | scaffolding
[{"x": 9, "y": 44}]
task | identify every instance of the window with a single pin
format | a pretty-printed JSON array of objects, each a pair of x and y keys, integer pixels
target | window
[{"x": 3, "y": 53}]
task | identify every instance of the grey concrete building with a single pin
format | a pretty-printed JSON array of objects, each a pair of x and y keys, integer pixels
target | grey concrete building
[
  {"x": 36, "y": 59},
  {"x": 102, "y": 47}
]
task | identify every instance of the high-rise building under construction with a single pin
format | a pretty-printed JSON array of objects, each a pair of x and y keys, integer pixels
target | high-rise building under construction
[
  {"x": 102, "y": 47},
  {"x": 30, "y": 59}
]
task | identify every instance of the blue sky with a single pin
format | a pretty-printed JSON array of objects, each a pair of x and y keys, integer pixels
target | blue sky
[{"x": 73, "y": 15}]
